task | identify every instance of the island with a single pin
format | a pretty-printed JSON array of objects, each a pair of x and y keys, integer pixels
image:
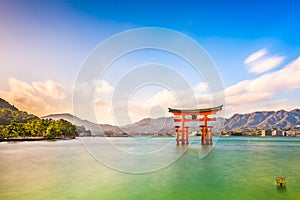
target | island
[{"x": 16, "y": 125}]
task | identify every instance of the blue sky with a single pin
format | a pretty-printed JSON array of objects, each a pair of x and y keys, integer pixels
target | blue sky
[{"x": 44, "y": 44}]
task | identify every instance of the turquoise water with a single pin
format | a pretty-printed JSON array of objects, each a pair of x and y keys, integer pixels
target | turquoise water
[{"x": 236, "y": 168}]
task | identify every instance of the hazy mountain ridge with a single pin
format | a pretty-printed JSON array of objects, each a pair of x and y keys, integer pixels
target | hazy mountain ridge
[
  {"x": 163, "y": 125},
  {"x": 143, "y": 127},
  {"x": 96, "y": 129}
]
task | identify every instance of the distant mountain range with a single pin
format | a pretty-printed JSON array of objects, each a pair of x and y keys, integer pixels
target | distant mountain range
[
  {"x": 165, "y": 125},
  {"x": 263, "y": 120},
  {"x": 281, "y": 119}
]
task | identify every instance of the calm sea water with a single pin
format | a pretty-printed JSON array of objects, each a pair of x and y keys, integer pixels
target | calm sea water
[{"x": 236, "y": 168}]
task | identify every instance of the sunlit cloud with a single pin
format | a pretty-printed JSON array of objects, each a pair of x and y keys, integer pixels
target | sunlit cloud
[
  {"x": 39, "y": 98},
  {"x": 49, "y": 89}
]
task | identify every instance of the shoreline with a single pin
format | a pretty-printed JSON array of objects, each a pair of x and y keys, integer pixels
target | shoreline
[
  {"x": 72, "y": 138},
  {"x": 34, "y": 139}
]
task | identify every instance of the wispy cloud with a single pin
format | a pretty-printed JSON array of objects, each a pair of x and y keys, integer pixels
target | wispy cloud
[
  {"x": 265, "y": 64},
  {"x": 256, "y": 55},
  {"x": 259, "y": 62}
]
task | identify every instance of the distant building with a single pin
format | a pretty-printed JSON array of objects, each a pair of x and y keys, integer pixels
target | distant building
[
  {"x": 284, "y": 133},
  {"x": 290, "y": 133},
  {"x": 277, "y": 133},
  {"x": 266, "y": 133}
]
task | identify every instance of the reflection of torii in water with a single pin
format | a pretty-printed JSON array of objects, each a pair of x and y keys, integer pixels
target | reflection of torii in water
[{"x": 192, "y": 114}]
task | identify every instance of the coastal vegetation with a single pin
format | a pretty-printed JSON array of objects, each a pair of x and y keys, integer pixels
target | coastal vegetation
[{"x": 20, "y": 124}]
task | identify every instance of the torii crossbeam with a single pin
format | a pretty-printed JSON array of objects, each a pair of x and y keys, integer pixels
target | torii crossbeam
[{"x": 194, "y": 115}]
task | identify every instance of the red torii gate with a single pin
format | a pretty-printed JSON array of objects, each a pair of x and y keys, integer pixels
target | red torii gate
[{"x": 206, "y": 131}]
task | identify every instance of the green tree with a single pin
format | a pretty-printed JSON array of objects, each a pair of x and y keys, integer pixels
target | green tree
[
  {"x": 21, "y": 129},
  {"x": 67, "y": 128},
  {"x": 53, "y": 131},
  {"x": 20, "y": 124},
  {"x": 14, "y": 129},
  {"x": 2, "y": 135},
  {"x": 37, "y": 127}
]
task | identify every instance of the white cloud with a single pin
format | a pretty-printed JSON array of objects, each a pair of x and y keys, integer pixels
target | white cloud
[
  {"x": 103, "y": 87},
  {"x": 201, "y": 87},
  {"x": 102, "y": 103},
  {"x": 20, "y": 87},
  {"x": 94, "y": 88},
  {"x": 163, "y": 98},
  {"x": 265, "y": 64},
  {"x": 258, "y": 62},
  {"x": 39, "y": 98},
  {"x": 138, "y": 109},
  {"x": 284, "y": 79},
  {"x": 256, "y": 55},
  {"x": 49, "y": 89},
  {"x": 157, "y": 105},
  {"x": 247, "y": 94},
  {"x": 244, "y": 96},
  {"x": 103, "y": 111},
  {"x": 84, "y": 88}
]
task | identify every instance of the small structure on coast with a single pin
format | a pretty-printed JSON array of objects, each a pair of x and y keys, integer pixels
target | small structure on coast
[{"x": 194, "y": 115}]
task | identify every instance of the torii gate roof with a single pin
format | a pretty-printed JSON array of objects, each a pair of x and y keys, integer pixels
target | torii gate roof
[{"x": 197, "y": 110}]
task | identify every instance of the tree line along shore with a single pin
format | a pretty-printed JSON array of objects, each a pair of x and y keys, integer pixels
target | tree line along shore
[{"x": 19, "y": 125}]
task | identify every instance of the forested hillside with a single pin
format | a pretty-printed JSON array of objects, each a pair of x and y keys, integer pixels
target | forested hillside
[{"x": 15, "y": 123}]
